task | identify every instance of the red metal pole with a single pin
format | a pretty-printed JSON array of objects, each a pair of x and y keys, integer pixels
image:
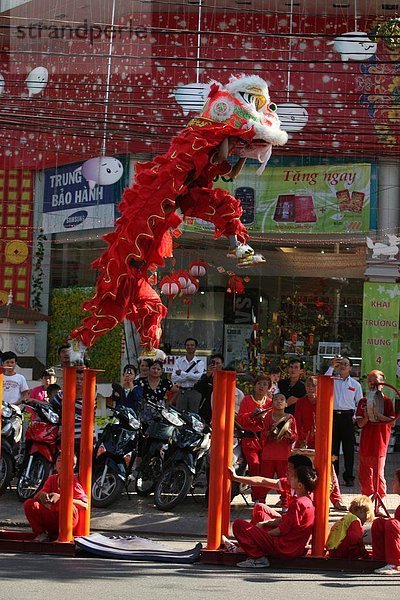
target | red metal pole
[
  {"x": 228, "y": 449},
  {"x": 217, "y": 465},
  {"x": 86, "y": 450},
  {"x": 67, "y": 454},
  {"x": 323, "y": 461}
]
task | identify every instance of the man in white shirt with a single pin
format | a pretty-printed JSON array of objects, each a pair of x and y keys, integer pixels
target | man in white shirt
[
  {"x": 15, "y": 387},
  {"x": 347, "y": 393},
  {"x": 186, "y": 373}
]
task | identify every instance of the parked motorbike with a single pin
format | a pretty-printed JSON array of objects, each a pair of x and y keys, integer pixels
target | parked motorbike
[
  {"x": 155, "y": 443},
  {"x": 11, "y": 433},
  {"x": 239, "y": 463},
  {"x": 114, "y": 456},
  {"x": 41, "y": 447},
  {"x": 185, "y": 461}
]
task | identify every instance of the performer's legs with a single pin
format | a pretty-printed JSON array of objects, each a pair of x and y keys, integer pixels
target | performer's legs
[
  {"x": 366, "y": 466},
  {"x": 380, "y": 469},
  {"x": 252, "y": 539},
  {"x": 40, "y": 517},
  {"x": 253, "y": 459},
  {"x": 335, "y": 494},
  {"x": 392, "y": 541},
  {"x": 378, "y": 538},
  {"x": 262, "y": 512},
  {"x": 281, "y": 471}
]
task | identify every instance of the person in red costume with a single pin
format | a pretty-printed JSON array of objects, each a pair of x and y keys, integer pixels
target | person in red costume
[
  {"x": 375, "y": 418},
  {"x": 346, "y": 537},
  {"x": 288, "y": 537},
  {"x": 385, "y": 535},
  {"x": 234, "y": 119},
  {"x": 250, "y": 418}
]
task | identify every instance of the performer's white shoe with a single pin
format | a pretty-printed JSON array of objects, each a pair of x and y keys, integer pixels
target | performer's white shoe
[
  {"x": 245, "y": 256},
  {"x": 76, "y": 353}
]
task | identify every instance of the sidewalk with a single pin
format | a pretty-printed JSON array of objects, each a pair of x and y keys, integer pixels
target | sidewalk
[{"x": 132, "y": 514}]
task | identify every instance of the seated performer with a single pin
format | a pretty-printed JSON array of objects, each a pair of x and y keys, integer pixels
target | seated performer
[
  {"x": 386, "y": 537},
  {"x": 42, "y": 511},
  {"x": 289, "y": 537},
  {"x": 345, "y": 538}
]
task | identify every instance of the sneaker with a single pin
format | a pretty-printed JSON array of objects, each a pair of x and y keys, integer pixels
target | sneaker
[
  {"x": 388, "y": 570},
  {"x": 340, "y": 506},
  {"x": 254, "y": 563},
  {"x": 230, "y": 546}
]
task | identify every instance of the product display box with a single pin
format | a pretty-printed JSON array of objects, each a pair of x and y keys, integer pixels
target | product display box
[{"x": 291, "y": 208}]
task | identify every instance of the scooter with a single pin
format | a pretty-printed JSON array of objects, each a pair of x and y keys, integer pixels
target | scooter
[
  {"x": 114, "y": 457},
  {"x": 41, "y": 448},
  {"x": 11, "y": 434},
  {"x": 185, "y": 462},
  {"x": 155, "y": 444}
]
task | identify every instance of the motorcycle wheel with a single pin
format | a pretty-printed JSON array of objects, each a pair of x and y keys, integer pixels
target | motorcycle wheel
[
  {"x": 6, "y": 471},
  {"x": 147, "y": 476},
  {"x": 27, "y": 487},
  {"x": 173, "y": 486},
  {"x": 106, "y": 494}
]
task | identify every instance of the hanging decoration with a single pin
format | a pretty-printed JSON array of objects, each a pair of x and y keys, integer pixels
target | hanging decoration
[
  {"x": 183, "y": 277},
  {"x": 169, "y": 286},
  {"x": 36, "y": 81},
  {"x": 102, "y": 170},
  {"x": 189, "y": 291},
  {"x": 235, "y": 285},
  {"x": 198, "y": 268}
]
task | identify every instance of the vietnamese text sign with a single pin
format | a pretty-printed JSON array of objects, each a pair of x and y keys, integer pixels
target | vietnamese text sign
[
  {"x": 296, "y": 200},
  {"x": 380, "y": 330}
]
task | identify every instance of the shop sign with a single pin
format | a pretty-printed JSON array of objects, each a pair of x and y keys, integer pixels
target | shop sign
[
  {"x": 296, "y": 200},
  {"x": 380, "y": 331},
  {"x": 71, "y": 202}
]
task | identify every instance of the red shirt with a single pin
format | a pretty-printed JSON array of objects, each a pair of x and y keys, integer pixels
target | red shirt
[
  {"x": 305, "y": 420},
  {"x": 296, "y": 528},
  {"x": 374, "y": 438},
  {"x": 274, "y": 449},
  {"x": 53, "y": 485},
  {"x": 247, "y": 406}
]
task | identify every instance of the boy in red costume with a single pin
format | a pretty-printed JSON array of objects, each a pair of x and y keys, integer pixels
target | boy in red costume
[
  {"x": 278, "y": 435},
  {"x": 289, "y": 537},
  {"x": 42, "y": 511},
  {"x": 250, "y": 417},
  {"x": 386, "y": 537},
  {"x": 374, "y": 416},
  {"x": 345, "y": 539}
]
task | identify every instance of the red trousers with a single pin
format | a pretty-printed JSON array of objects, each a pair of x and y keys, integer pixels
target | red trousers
[
  {"x": 271, "y": 469},
  {"x": 253, "y": 458},
  {"x": 371, "y": 474},
  {"x": 385, "y": 535},
  {"x": 255, "y": 541},
  {"x": 335, "y": 495},
  {"x": 44, "y": 519}
]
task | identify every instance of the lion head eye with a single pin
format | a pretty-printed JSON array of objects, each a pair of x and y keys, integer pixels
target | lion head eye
[{"x": 272, "y": 106}]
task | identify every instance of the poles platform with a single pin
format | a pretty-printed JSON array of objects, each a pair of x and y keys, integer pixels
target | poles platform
[
  {"x": 17, "y": 541},
  {"x": 308, "y": 562}
]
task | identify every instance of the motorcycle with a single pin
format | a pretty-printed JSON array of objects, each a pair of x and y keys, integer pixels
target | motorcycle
[
  {"x": 41, "y": 447},
  {"x": 11, "y": 434},
  {"x": 114, "y": 457},
  {"x": 185, "y": 462},
  {"x": 239, "y": 463},
  {"x": 155, "y": 443}
]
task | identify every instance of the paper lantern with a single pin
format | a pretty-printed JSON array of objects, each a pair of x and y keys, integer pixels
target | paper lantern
[
  {"x": 197, "y": 268},
  {"x": 169, "y": 286},
  {"x": 183, "y": 278},
  {"x": 189, "y": 291}
]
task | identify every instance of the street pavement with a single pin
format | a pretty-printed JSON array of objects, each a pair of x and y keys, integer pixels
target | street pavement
[{"x": 132, "y": 514}]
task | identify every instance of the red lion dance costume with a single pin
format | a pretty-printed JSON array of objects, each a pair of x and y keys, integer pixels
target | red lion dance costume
[{"x": 236, "y": 119}]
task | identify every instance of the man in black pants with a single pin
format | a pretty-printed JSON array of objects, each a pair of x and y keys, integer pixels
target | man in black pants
[{"x": 347, "y": 393}]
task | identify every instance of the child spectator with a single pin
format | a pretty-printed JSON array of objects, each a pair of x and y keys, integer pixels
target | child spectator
[
  {"x": 345, "y": 539},
  {"x": 386, "y": 537},
  {"x": 42, "y": 511},
  {"x": 278, "y": 434},
  {"x": 286, "y": 539},
  {"x": 15, "y": 388},
  {"x": 250, "y": 418},
  {"x": 40, "y": 392},
  {"x": 275, "y": 374},
  {"x": 53, "y": 390}
]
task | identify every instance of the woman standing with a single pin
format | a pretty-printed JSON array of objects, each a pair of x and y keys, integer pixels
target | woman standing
[
  {"x": 154, "y": 389},
  {"x": 250, "y": 418}
]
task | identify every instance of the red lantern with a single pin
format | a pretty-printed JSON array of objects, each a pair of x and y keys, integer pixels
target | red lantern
[
  {"x": 169, "y": 286},
  {"x": 197, "y": 268},
  {"x": 310, "y": 339}
]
